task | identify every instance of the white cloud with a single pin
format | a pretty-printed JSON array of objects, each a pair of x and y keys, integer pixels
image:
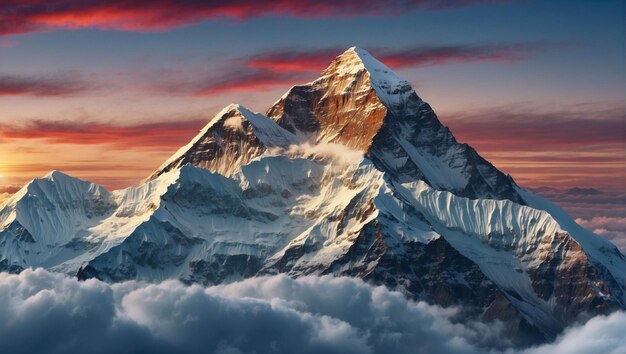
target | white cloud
[
  {"x": 602, "y": 334},
  {"x": 42, "y": 312},
  {"x": 328, "y": 151},
  {"x": 613, "y": 228},
  {"x": 613, "y": 223},
  {"x": 603, "y": 213}
]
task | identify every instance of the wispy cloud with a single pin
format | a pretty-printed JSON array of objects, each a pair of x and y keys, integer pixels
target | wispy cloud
[
  {"x": 7, "y": 44},
  {"x": 287, "y": 60},
  {"x": 583, "y": 145},
  {"x": 287, "y": 67},
  {"x": 601, "y": 212},
  {"x": 242, "y": 80},
  {"x": 514, "y": 128},
  {"x": 146, "y": 135},
  {"x": 144, "y": 15},
  {"x": 60, "y": 85}
]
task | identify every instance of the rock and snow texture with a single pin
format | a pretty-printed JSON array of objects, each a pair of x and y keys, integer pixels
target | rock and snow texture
[
  {"x": 231, "y": 139},
  {"x": 352, "y": 175},
  {"x": 361, "y": 103}
]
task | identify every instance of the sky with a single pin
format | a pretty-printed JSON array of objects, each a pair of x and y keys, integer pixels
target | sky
[{"x": 106, "y": 91}]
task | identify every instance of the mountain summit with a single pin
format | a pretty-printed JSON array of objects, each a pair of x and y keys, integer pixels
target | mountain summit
[
  {"x": 253, "y": 194},
  {"x": 360, "y": 103},
  {"x": 346, "y": 105}
]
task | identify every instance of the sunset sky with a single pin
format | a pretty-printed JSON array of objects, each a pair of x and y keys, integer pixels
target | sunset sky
[{"x": 106, "y": 91}]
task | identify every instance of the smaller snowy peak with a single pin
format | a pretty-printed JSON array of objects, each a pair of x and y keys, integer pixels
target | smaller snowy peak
[
  {"x": 231, "y": 139},
  {"x": 49, "y": 208},
  {"x": 56, "y": 176},
  {"x": 64, "y": 180},
  {"x": 266, "y": 130},
  {"x": 59, "y": 184}
]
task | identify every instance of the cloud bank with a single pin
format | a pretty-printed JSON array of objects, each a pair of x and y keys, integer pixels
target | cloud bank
[
  {"x": 288, "y": 60},
  {"x": 601, "y": 212},
  {"x": 60, "y": 85},
  {"x": 602, "y": 334},
  {"x": 26, "y": 16},
  {"x": 150, "y": 134},
  {"x": 284, "y": 67},
  {"x": 43, "y": 312}
]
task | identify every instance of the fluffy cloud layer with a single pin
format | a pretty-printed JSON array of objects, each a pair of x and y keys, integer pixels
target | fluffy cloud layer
[
  {"x": 613, "y": 228},
  {"x": 42, "y": 312},
  {"x": 599, "y": 335}
]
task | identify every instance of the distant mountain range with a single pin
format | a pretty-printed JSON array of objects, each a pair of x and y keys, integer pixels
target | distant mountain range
[{"x": 352, "y": 174}]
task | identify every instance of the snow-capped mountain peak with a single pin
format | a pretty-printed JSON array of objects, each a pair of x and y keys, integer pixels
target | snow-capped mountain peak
[{"x": 361, "y": 103}]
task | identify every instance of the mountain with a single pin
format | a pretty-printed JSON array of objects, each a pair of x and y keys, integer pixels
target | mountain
[
  {"x": 349, "y": 175},
  {"x": 361, "y": 103}
]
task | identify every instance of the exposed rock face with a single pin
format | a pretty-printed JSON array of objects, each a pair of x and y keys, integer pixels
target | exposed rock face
[
  {"x": 340, "y": 107},
  {"x": 360, "y": 103},
  {"x": 232, "y": 138},
  {"x": 413, "y": 209},
  {"x": 563, "y": 272}
]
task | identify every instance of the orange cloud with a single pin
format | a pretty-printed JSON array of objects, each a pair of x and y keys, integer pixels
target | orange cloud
[
  {"x": 144, "y": 135},
  {"x": 242, "y": 80}
]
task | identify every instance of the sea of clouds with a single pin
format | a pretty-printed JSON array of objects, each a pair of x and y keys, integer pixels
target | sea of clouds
[
  {"x": 602, "y": 212},
  {"x": 44, "y": 312}
]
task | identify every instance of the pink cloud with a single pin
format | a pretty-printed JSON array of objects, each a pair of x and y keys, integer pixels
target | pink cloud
[
  {"x": 316, "y": 60},
  {"x": 144, "y": 15}
]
